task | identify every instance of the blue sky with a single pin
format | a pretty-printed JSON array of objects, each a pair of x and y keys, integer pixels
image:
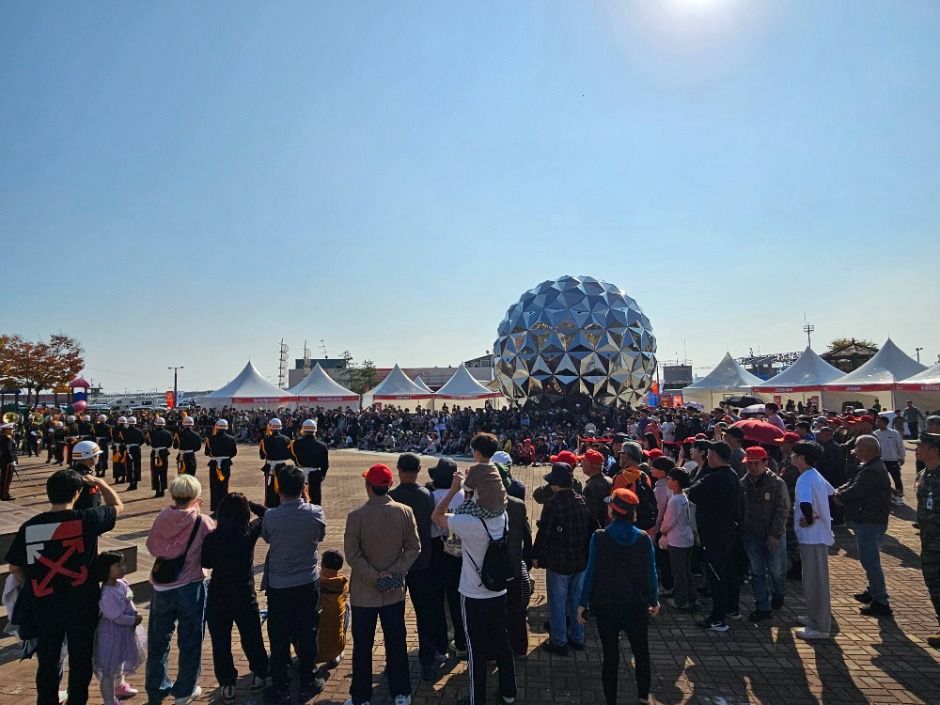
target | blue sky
[{"x": 186, "y": 183}]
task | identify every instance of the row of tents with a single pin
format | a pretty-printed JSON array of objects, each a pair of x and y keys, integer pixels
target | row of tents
[
  {"x": 249, "y": 390},
  {"x": 890, "y": 376}
]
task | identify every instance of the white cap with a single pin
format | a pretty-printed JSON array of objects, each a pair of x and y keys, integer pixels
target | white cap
[
  {"x": 122, "y": 419},
  {"x": 221, "y": 423},
  {"x": 70, "y": 418},
  {"x": 5, "y": 426},
  {"x": 101, "y": 417},
  {"x": 86, "y": 417},
  {"x": 502, "y": 457},
  {"x": 159, "y": 421},
  {"x": 188, "y": 421},
  {"x": 131, "y": 420},
  {"x": 309, "y": 425},
  {"x": 59, "y": 424},
  {"x": 274, "y": 423},
  {"x": 85, "y": 450}
]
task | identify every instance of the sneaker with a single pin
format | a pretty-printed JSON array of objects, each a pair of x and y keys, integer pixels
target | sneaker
[
  {"x": 934, "y": 641},
  {"x": 776, "y": 603},
  {"x": 863, "y": 597},
  {"x": 734, "y": 615},
  {"x": 557, "y": 649},
  {"x": 258, "y": 683},
  {"x": 227, "y": 693},
  {"x": 899, "y": 500},
  {"x": 760, "y": 616},
  {"x": 810, "y": 633},
  {"x": 402, "y": 700},
  {"x": 124, "y": 690},
  {"x": 311, "y": 689},
  {"x": 876, "y": 609},
  {"x": 710, "y": 626},
  {"x": 804, "y": 620},
  {"x": 186, "y": 699},
  {"x": 276, "y": 695}
]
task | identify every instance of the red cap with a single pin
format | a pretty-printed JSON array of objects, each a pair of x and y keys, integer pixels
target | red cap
[
  {"x": 378, "y": 476},
  {"x": 653, "y": 453},
  {"x": 622, "y": 500},
  {"x": 788, "y": 437},
  {"x": 689, "y": 440},
  {"x": 755, "y": 453},
  {"x": 866, "y": 417},
  {"x": 566, "y": 456},
  {"x": 594, "y": 457}
]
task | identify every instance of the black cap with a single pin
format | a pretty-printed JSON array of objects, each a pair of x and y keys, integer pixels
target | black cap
[
  {"x": 620, "y": 437},
  {"x": 561, "y": 475},
  {"x": 409, "y": 462},
  {"x": 722, "y": 450},
  {"x": 735, "y": 431}
]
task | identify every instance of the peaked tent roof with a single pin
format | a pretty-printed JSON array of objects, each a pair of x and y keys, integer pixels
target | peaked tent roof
[
  {"x": 926, "y": 381},
  {"x": 728, "y": 376},
  {"x": 463, "y": 385},
  {"x": 421, "y": 383},
  {"x": 249, "y": 386},
  {"x": 809, "y": 372},
  {"x": 319, "y": 386},
  {"x": 889, "y": 366},
  {"x": 397, "y": 385}
]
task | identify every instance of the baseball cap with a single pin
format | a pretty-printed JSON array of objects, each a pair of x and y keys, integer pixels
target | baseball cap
[
  {"x": 788, "y": 437},
  {"x": 653, "y": 453},
  {"x": 622, "y": 500},
  {"x": 501, "y": 457},
  {"x": 566, "y": 456},
  {"x": 592, "y": 456},
  {"x": 409, "y": 462},
  {"x": 755, "y": 454},
  {"x": 378, "y": 475}
]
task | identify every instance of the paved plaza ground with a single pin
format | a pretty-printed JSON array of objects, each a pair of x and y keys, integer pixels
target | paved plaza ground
[{"x": 868, "y": 661}]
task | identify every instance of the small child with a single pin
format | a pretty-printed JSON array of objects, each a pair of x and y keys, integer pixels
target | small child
[
  {"x": 118, "y": 650},
  {"x": 483, "y": 477},
  {"x": 334, "y": 617},
  {"x": 677, "y": 536}
]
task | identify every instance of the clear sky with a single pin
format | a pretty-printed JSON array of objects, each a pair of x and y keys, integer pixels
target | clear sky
[{"x": 187, "y": 183}]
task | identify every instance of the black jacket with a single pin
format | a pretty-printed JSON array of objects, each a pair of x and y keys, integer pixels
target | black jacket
[
  {"x": 422, "y": 504},
  {"x": 308, "y": 452},
  {"x": 519, "y": 535},
  {"x": 867, "y": 496},
  {"x": 716, "y": 504}
]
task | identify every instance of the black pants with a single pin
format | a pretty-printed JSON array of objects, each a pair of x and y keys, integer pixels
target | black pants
[
  {"x": 187, "y": 464},
  {"x": 57, "y": 624},
  {"x": 117, "y": 466},
  {"x": 633, "y": 622},
  {"x": 485, "y": 622},
  {"x": 364, "y": 620},
  {"x": 101, "y": 467},
  {"x": 218, "y": 488},
  {"x": 516, "y": 624},
  {"x": 430, "y": 630},
  {"x": 6, "y": 479},
  {"x": 59, "y": 453},
  {"x": 293, "y": 618},
  {"x": 134, "y": 469},
  {"x": 271, "y": 496},
  {"x": 894, "y": 469},
  {"x": 446, "y": 569},
  {"x": 314, "y": 489},
  {"x": 222, "y": 611},
  {"x": 664, "y": 567},
  {"x": 722, "y": 578},
  {"x": 912, "y": 427},
  {"x": 158, "y": 468}
]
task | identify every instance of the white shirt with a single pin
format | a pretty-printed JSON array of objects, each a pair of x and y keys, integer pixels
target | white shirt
[
  {"x": 668, "y": 429},
  {"x": 438, "y": 495},
  {"x": 892, "y": 445},
  {"x": 812, "y": 488},
  {"x": 677, "y": 522},
  {"x": 475, "y": 540}
]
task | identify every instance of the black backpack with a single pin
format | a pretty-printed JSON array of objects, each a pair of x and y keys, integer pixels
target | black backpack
[
  {"x": 496, "y": 570},
  {"x": 647, "y": 510}
]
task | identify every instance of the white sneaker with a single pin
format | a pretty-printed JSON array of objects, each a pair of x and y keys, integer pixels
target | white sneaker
[
  {"x": 185, "y": 700},
  {"x": 804, "y": 620},
  {"x": 227, "y": 693},
  {"x": 402, "y": 700},
  {"x": 810, "y": 633}
]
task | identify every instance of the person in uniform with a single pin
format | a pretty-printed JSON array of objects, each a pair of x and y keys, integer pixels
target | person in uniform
[
  {"x": 102, "y": 437},
  {"x": 928, "y": 519},
  {"x": 220, "y": 448},
  {"x": 274, "y": 450},
  {"x": 84, "y": 460},
  {"x": 159, "y": 440},
  {"x": 187, "y": 442},
  {"x": 61, "y": 440},
  {"x": 72, "y": 436},
  {"x": 7, "y": 460},
  {"x": 86, "y": 432},
  {"x": 312, "y": 457},
  {"x": 133, "y": 440},
  {"x": 119, "y": 455}
]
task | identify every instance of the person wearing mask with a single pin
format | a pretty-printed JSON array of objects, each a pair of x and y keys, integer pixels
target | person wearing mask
[
  {"x": 892, "y": 454},
  {"x": 620, "y": 589},
  {"x": 867, "y": 501},
  {"x": 734, "y": 437}
]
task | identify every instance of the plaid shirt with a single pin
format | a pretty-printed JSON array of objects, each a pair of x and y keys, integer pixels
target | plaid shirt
[{"x": 565, "y": 528}]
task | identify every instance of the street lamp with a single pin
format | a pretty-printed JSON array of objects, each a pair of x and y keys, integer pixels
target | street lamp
[
  {"x": 917, "y": 350},
  {"x": 176, "y": 370}
]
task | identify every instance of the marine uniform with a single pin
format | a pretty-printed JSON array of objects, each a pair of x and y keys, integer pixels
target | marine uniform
[
  {"x": 220, "y": 448},
  {"x": 275, "y": 452},
  {"x": 133, "y": 439},
  {"x": 7, "y": 465},
  {"x": 188, "y": 443},
  {"x": 102, "y": 437},
  {"x": 118, "y": 454},
  {"x": 312, "y": 457},
  {"x": 928, "y": 518},
  {"x": 159, "y": 440}
]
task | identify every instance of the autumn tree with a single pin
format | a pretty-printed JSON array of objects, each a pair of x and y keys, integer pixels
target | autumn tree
[{"x": 36, "y": 366}]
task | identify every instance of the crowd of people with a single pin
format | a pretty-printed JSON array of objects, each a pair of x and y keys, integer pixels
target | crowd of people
[{"x": 637, "y": 506}]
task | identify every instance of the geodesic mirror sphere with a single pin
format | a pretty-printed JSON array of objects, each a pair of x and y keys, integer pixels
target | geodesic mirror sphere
[{"x": 575, "y": 340}]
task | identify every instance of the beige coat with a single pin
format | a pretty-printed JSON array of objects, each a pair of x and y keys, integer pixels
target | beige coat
[{"x": 381, "y": 537}]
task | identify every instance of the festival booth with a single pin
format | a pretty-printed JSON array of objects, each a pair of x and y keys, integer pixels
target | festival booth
[
  {"x": 249, "y": 390},
  {"x": 726, "y": 380},
  {"x": 462, "y": 389},
  {"x": 923, "y": 389},
  {"x": 397, "y": 389},
  {"x": 319, "y": 389},
  {"x": 802, "y": 381},
  {"x": 876, "y": 379}
]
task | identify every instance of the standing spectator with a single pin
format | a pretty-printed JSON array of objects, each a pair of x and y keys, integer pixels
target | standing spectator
[
  {"x": 597, "y": 488},
  {"x": 659, "y": 469},
  {"x": 677, "y": 536},
  {"x": 867, "y": 501},
  {"x": 293, "y": 530},
  {"x": 118, "y": 651},
  {"x": 913, "y": 416},
  {"x": 765, "y": 507},
  {"x": 484, "y": 610},
  {"x": 519, "y": 590},
  {"x": 928, "y": 518},
  {"x": 715, "y": 496},
  {"x": 773, "y": 416},
  {"x": 334, "y": 617},
  {"x": 832, "y": 467},
  {"x": 892, "y": 453},
  {"x": 561, "y": 548},
  {"x": 178, "y": 600},
  {"x": 734, "y": 437},
  {"x": 381, "y": 543},
  {"x": 813, "y": 527},
  {"x": 432, "y": 646},
  {"x": 620, "y": 588},
  {"x": 632, "y": 477},
  {"x": 63, "y": 606}
]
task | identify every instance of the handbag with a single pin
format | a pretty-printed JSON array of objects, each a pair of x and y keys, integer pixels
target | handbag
[{"x": 166, "y": 571}]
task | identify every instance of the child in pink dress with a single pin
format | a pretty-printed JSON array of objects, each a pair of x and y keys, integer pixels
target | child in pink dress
[{"x": 118, "y": 650}]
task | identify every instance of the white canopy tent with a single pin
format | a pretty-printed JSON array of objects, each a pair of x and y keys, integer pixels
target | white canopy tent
[
  {"x": 399, "y": 390},
  {"x": 876, "y": 379},
  {"x": 728, "y": 379},
  {"x": 462, "y": 389},
  {"x": 421, "y": 383},
  {"x": 923, "y": 389},
  {"x": 801, "y": 381},
  {"x": 249, "y": 390},
  {"x": 319, "y": 389}
]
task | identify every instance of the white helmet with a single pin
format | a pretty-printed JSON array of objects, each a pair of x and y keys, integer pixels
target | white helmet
[
  {"x": 159, "y": 421},
  {"x": 85, "y": 450},
  {"x": 274, "y": 423},
  {"x": 7, "y": 426},
  {"x": 102, "y": 417},
  {"x": 309, "y": 425},
  {"x": 188, "y": 421},
  {"x": 221, "y": 423},
  {"x": 59, "y": 424},
  {"x": 131, "y": 420},
  {"x": 86, "y": 417},
  {"x": 70, "y": 418},
  {"x": 122, "y": 419}
]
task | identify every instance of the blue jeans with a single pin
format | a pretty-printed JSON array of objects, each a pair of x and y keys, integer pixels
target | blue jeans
[
  {"x": 768, "y": 570},
  {"x": 868, "y": 539},
  {"x": 564, "y": 592},
  {"x": 182, "y": 608}
]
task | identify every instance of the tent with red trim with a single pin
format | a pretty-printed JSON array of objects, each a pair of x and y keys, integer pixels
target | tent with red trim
[
  {"x": 726, "y": 380},
  {"x": 801, "y": 381},
  {"x": 923, "y": 389},
  {"x": 876, "y": 379},
  {"x": 319, "y": 389},
  {"x": 249, "y": 390},
  {"x": 463, "y": 389},
  {"x": 398, "y": 389}
]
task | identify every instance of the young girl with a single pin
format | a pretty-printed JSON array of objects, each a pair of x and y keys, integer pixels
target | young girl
[
  {"x": 118, "y": 650},
  {"x": 677, "y": 537}
]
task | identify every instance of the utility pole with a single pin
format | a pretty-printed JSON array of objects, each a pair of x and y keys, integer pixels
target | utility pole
[
  {"x": 808, "y": 328},
  {"x": 176, "y": 397},
  {"x": 917, "y": 350}
]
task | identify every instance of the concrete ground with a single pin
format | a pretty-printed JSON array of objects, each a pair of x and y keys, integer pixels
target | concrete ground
[{"x": 868, "y": 660}]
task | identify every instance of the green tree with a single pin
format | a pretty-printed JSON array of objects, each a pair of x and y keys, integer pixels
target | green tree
[
  {"x": 842, "y": 343},
  {"x": 361, "y": 376}
]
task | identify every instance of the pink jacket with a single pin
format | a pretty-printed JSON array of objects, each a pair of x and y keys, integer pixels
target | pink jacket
[{"x": 168, "y": 537}]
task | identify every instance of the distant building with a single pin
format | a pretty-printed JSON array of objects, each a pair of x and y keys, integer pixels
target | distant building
[
  {"x": 676, "y": 375},
  {"x": 767, "y": 366}
]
